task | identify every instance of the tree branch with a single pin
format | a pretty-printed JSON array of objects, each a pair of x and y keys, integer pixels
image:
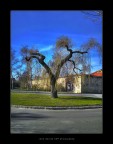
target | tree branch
[
  {"x": 63, "y": 61},
  {"x": 79, "y": 52},
  {"x": 40, "y": 55},
  {"x": 41, "y": 58},
  {"x": 67, "y": 59},
  {"x": 74, "y": 66}
]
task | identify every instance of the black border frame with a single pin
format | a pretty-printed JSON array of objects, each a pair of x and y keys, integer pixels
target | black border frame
[{"x": 5, "y": 69}]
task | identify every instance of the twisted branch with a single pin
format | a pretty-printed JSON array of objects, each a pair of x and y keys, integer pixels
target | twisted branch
[
  {"x": 41, "y": 58},
  {"x": 67, "y": 59},
  {"x": 74, "y": 66}
]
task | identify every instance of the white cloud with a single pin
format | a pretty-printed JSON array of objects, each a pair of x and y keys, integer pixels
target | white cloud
[{"x": 46, "y": 48}]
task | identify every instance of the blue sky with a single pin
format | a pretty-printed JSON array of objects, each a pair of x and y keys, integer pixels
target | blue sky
[{"x": 40, "y": 29}]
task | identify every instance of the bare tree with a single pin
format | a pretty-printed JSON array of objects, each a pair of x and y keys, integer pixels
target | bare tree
[
  {"x": 13, "y": 66},
  {"x": 25, "y": 51},
  {"x": 63, "y": 42}
]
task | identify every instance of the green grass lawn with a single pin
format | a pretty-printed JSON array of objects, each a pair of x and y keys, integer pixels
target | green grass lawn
[{"x": 46, "y": 100}]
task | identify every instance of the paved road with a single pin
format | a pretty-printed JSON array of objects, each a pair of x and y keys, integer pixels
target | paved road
[
  {"x": 60, "y": 93},
  {"x": 56, "y": 121}
]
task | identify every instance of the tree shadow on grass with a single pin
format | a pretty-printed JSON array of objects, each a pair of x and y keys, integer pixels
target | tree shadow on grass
[{"x": 79, "y": 98}]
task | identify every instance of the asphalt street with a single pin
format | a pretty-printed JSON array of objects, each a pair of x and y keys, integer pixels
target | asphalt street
[{"x": 41, "y": 121}]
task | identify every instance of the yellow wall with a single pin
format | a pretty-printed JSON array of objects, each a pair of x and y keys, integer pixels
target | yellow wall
[
  {"x": 77, "y": 84},
  {"x": 80, "y": 84},
  {"x": 45, "y": 83},
  {"x": 42, "y": 83}
]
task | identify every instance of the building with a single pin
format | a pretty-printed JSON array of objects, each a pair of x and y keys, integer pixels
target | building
[
  {"x": 93, "y": 84},
  {"x": 78, "y": 84}
]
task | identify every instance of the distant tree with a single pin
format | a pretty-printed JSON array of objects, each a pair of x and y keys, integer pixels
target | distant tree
[
  {"x": 32, "y": 68},
  {"x": 63, "y": 43},
  {"x": 27, "y": 74},
  {"x": 23, "y": 80},
  {"x": 14, "y": 66},
  {"x": 94, "y": 16}
]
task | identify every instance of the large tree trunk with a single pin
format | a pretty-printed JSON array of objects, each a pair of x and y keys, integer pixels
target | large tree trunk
[{"x": 53, "y": 88}]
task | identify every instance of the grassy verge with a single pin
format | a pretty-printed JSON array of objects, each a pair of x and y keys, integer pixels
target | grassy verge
[{"x": 45, "y": 100}]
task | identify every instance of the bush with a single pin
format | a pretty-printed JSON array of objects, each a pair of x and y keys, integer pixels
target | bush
[{"x": 60, "y": 88}]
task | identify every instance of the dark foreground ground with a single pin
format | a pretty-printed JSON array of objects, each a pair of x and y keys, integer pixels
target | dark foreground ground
[{"x": 56, "y": 121}]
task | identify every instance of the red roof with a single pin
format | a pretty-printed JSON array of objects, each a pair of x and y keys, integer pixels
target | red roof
[{"x": 97, "y": 73}]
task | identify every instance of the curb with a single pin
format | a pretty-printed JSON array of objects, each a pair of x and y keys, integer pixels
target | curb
[{"x": 57, "y": 108}]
